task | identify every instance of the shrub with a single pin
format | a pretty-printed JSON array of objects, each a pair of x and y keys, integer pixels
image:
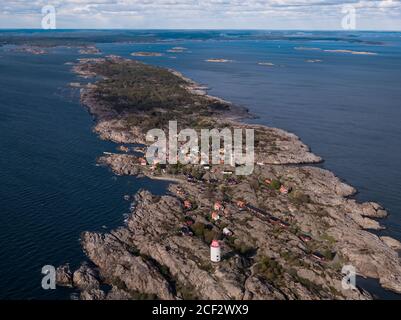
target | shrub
[
  {"x": 205, "y": 232},
  {"x": 328, "y": 254},
  {"x": 311, "y": 286},
  {"x": 242, "y": 248},
  {"x": 275, "y": 184},
  {"x": 198, "y": 229},
  {"x": 269, "y": 269},
  {"x": 210, "y": 235},
  {"x": 331, "y": 240},
  {"x": 186, "y": 291},
  {"x": 197, "y": 173},
  {"x": 299, "y": 197}
]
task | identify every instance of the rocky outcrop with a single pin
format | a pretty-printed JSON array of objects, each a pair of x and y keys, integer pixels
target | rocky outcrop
[
  {"x": 86, "y": 278},
  {"x": 124, "y": 269},
  {"x": 151, "y": 234},
  {"x": 121, "y": 164},
  {"x": 92, "y": 294},
  {"x": 64, "y": 276},
  {"x": 256, "y": 289},
  {"x": 392, "y": 243}
]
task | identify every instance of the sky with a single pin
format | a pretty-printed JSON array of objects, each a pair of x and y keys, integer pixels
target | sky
[{"x": 204, "y": 14}]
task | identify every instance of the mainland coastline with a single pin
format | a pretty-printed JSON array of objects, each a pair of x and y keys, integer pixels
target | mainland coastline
[{"x": 292, "y": 226}]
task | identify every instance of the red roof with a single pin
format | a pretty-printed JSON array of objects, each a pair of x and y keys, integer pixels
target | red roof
[{"x": 215, "y": 244}]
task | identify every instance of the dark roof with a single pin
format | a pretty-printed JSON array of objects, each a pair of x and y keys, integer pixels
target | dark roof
[{"x": 318, "y": 255}]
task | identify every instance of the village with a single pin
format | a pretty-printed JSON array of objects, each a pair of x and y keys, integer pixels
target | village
[{"x": 218, "y": 215}]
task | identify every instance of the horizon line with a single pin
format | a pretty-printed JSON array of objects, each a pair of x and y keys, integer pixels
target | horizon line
[{"x": 198, "y": 29}]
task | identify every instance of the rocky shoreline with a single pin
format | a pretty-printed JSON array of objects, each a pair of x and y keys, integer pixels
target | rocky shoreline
[{"x": 291, "y": 227}]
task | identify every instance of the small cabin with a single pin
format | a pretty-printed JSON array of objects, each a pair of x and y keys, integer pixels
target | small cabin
[
  {"x": 227, "y": 172},
  {"x": 187, "y": 204},
  {"x": 227, "y": 232},
  {"x": 241, "y": 204},
  {"x": 189, "y": 222},
  {"x": 218, "y": 206},
  {"x": 283, "y": 224},
  {"x": 185, "y": 231},
  {"x": 215, "y": 216},
  {"x": 305, "y": 238},
  {"x": 318, "y": 256},
  {"x": 284, "y": 190},
  {"x": 274, "y": 220},
  {"x": 179, "y": 191}
]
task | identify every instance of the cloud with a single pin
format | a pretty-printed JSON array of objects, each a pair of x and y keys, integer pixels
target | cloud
[{"x": 252, "y": 14}]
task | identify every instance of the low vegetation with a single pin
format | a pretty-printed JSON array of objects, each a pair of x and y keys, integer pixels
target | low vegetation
[
  {"x": 205, "y": 232},
  {"x": 152, "y": 95},
  {"x": 269, "y": 269}
]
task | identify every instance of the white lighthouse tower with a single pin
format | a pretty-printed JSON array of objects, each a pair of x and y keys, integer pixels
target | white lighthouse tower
[{"x": 215, "y": 252}]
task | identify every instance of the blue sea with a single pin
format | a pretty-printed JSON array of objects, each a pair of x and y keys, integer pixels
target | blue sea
[{"x": 345, "y": 106}]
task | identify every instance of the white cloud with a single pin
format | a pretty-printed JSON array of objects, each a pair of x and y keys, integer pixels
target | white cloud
[{"x": 284, "y": 14}]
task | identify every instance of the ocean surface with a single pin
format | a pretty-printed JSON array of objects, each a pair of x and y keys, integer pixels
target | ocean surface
[{"x": 345, "y": 106}]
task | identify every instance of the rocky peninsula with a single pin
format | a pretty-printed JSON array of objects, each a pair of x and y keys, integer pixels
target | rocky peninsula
[{"x": 285, "y": 231}]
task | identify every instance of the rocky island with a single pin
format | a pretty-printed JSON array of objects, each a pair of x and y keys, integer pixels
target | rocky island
[
  {"x": 146, "y": 54},
  {"x": 218, "y": 60},
  {"x": 177, "y": 50},
  {"x": 367, "y": 53},
  {"x": 88, "y": 50},
  {"x": 31, "y": 50},
  {"x": 268, "y": 64},
  {"x": 285, "y": 231}
]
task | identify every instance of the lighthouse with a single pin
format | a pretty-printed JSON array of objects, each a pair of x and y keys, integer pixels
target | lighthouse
[{"x": 215, "y": 252}]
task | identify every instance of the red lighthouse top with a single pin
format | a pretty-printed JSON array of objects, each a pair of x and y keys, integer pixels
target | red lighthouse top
[{"x": 215, "y": 244}]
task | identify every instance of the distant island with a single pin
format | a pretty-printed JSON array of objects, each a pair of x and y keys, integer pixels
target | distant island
[
  {"x": 268, "y": 64},
  {"x": 31, "y": 50},
  {"x": 90, "y": 50},
  {"x": 307, "y": 49},
  {"x": 352, "y": 52},
  {"x": 146, "y": 54},
  {"x": 177, "y": 50},
  {"x": 219, "y": 60},
  {"x": 285, "y": 231},
  {"x": 337, "y": 51}
]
